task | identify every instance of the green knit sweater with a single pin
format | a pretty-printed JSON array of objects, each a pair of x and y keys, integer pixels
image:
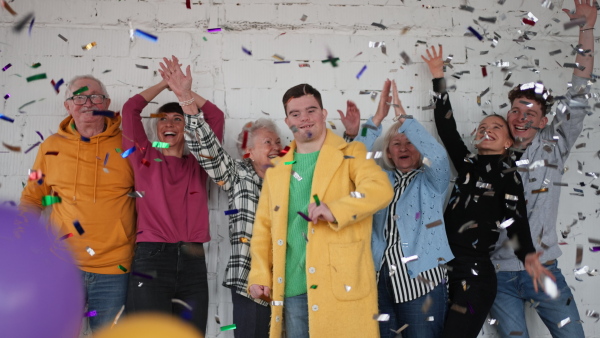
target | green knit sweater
[{"x": 295, "y": 256}]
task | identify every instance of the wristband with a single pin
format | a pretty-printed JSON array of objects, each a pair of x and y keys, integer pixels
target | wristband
[{"x": 186, "y": 103}]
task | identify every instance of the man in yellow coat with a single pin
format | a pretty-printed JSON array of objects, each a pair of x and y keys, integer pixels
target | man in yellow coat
[{"x": 311, "y": 246}]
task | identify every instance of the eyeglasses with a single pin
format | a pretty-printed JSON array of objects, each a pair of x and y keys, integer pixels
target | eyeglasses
[{"x": 80, "y": 100}]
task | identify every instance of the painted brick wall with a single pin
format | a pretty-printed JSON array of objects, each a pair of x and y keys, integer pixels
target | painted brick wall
[{"x": 246, "y": 86}]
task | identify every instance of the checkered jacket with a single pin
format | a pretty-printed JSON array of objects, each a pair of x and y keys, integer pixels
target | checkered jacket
[{"x": 243, "y": 186}]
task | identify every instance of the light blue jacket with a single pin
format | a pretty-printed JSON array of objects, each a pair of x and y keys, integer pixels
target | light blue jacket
[{"x": 421, "y": 203}]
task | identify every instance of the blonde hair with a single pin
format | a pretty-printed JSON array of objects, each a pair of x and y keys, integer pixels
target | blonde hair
[{"x": 387, "y": 138}]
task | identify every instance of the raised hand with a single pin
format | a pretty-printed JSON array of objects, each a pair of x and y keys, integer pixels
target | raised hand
[
  {"x": 351, "y": 120},
  {"x": 384, "y": 103},
  {"x": 398, "y": 109},
  {"x": 584, "y": 9},
  {"x": 179, "y": 83},
  {"x": 435, "y": 62}
]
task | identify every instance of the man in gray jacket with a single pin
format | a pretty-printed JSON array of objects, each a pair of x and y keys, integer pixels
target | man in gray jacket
[{"x": 545, "y": 151}]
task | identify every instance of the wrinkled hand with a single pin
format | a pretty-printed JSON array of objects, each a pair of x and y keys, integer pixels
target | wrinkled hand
[
  {"x": 536, "y": 270},
  {"x": 383, "y": 108},
  {"x": 172, "y": 74},
  {"x": 351, "y": 120},
  {"x": 435, "y": 62},
  {"x": 321, "y": 212},
  {"x": 398, "y": 109},
  {"x": 260, "y": 292},
  {"x": 584, "y": 9}
]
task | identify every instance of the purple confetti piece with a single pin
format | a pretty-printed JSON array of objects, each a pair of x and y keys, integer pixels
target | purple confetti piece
[
  {"x": 143, "y": 275},
  {"x": 246, "y": 51},
  {"x": 6, "y": 96},
  {"x": 418, "y": 215},
  {"x": 361, "y": 72},
  {"x": 279, "y": 62},
  {"x": 213, "y": 30},
  {"x": 304, "y": 216},
  {"x": 90, "y": 314},
  {"x": 595, "y": 249},
  {"x": 33, "y": 146},
  {"x": 128, "y": 152},
  {"x": 476, "y": 33},
  {"x": 58, "y": 84},
  {"x": 85, "y": 139},
  {"x": 31, "y": 25},
  {"x": 105, "y": 159},
  {"x": 41, "y": 136},
  {"x": 106, "y": 113},
  {"x": 6, "y": 67}
]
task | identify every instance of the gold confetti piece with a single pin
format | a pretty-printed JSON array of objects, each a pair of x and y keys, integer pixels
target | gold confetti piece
[
  {"x": 458, "y": 308},
  {"x": 12, "y": 148},
  {"x": 89, "y": 46},
  {"x": 244, "y": 240},
  {"x": 221, "y": 183},
  {"x": 579, "y": 255},
  {"x": 434, "y": 224},
  {"x": 400, "y": 329},
  {"x": 8, "y": 8},
  {"x": 118, "y": 316},
  {"x": 426, "y": 304},
  {"x": 278, "y": 57},
  {"x": 539, "y": 190}
]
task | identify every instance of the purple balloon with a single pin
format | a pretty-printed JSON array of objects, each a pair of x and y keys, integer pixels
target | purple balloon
[{"x": 41, "y": 290}]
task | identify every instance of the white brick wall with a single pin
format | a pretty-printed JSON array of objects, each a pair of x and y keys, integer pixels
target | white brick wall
[{"x": 244, "y": 85}]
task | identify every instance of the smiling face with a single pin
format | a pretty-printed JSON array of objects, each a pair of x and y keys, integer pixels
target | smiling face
[
  {"x": 264, "y": 146},
  {"x": 170, "y": 129},
  {"x": 307, "y": 116},
  {"x": 523, "y": 118},
  {"x": 403, "y": 153},
  {"x": 82, "y": 114},
  {"x": 493, "y": 137}
]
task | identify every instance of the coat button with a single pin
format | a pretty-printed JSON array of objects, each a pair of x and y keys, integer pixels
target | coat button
[
  {"x": 311, "y": 270},
  {"x": 313, "y": 230},
  {"x": 277, "y": 319},
  {"x": 315, "y": 307},
  {"x": 280, "y": 242},
  {"x": 280, "y": 280}
]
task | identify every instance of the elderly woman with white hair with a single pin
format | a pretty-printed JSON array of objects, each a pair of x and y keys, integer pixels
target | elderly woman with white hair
[
  {"x": 169, "y": 268},
  {"x": 409, "y": 240},
  {"x": 242, "y": 179}
]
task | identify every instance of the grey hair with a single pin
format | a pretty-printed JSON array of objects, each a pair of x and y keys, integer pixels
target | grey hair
[
  {"x": 151, "y": 127},
  {"x": 389, "y": 134},
  {"x": 251, "y": 128},
  {"x": 69, "y": 91}
]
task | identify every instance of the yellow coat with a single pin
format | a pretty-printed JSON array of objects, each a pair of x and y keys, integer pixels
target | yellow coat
[{"x": 338, "y": 255}]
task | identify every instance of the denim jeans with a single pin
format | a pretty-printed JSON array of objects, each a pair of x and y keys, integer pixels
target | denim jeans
[
  {"x": 251, "y": 319},
  {"x": 170, "y": 278},
  {"x": 296, "y": 316},
  {"x": 410, "y": 312},
  {"x": 105, "y": 294},
  {"x": 515, "y": 289}
]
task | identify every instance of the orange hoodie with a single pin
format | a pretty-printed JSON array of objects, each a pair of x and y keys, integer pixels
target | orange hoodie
[{"x": 93, "y": 192}]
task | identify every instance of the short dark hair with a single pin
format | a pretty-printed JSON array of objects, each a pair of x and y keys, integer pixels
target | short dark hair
[
  {"x": 528, "y": 91},
  {"x": 171, "y": 107},
  {"x": 299, "y": 91}
]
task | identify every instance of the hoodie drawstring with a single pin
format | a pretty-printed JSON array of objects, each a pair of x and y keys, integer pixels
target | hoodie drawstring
[
  {"x": 76, "y": 171},
  {"x": 96, "y": 168}
]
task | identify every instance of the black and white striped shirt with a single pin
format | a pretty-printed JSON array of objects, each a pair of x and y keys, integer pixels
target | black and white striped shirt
[{"x": 405, "y": 288}]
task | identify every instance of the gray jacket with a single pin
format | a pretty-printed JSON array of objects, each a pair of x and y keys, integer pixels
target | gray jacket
[{"x": 542, "y": 207}]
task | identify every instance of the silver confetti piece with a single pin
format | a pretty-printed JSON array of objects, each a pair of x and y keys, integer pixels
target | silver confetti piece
[
  {"x": 357, "y": 194},
  {"x": 506, "y": 223},
  {"x": 409, "y": 258}
]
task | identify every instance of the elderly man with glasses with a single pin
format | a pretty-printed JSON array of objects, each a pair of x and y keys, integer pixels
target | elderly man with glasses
[{"x": 80, "y": 172}]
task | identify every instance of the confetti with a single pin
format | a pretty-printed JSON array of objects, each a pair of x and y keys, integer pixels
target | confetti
[
  {"x": 304, "y": 216},
  {"x": 31, "y": 25},
  {"x": 361, "y": 72},
  {"x": 54, "y": 153},
  {"x": 69, "y": 235},
  {"x": 314, "y": 287},
  {"x": 301, "y": 65},
  {"x": 231, "y": 212},
  {"x": 182, "y": 303},
  {"x": 90, "y": 314},
  {"x": 378, "y": 25},
  {"x": 434, "y": 224},
  {"x": 296, "y": 176},
  {"x": 550, "y": 288},
  {"x": 127, "y": 152},
  {"x": 89, "y": 46},
  {"x": 78, "y": 227},
  {"x": 141, "y": 66},
  {"x": 106, "y": 113},
  {"x": 249, "y": 52},
  {"x": 6, "y": 67},
  {"x": 144, "y": 35},
  {"x": 506, "y": 223},
  {"x": 63, "y": 38},
  {"x": 21, "y": 24},
  {"x": 163, "y": 145},
  {"x": 317, "y": 200},
  {"x": 36, "y": 77},
  {"x": 136, "y": 194},
  {"x": 6, "y": 118},
  {"x": 332, "y": 60},
  {"x": 356, "y": 194},
  {"x": 11, "y": 148},
  {"x": 537, "y": 191},
  {"x": 90, "y": 251},
  {"x": 409, "y": 258},
  {"x": 515, "y": 333},
  {"x": 528, "y": 22},
  {"x": 564, "y": 322},
  {"x": 406, "y": 58},
  {"x": 228, "y": 327},
  {"x": 57, "y": 85},
  {"x": 213, "y": 30},
  {"x": 477, "y": 35},
  {"x": 8, "y": 8},
  {"x": 81, "y": 90},
  {"x": 483, "y": 71},
  {"x": 124, "y": 269},
  {"x": 579, "y": 255},
  {"x": 458, "y": 308},
  {"x": 284, "y": 151},
  {"x": 31, "y": 148}
]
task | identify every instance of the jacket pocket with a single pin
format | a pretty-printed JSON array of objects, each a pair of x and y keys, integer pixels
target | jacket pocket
[{"x": 352, "y": 277}]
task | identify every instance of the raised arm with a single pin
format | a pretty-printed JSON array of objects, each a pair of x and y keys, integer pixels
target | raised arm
[
  {"x": 443, "y": 114},
  {"x": 133, "y": 129},
  {"x": 372, "y": 128},
  {"x": 585, "y": 9}
]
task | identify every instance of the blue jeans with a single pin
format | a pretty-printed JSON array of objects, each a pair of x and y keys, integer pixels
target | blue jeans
[
  {"x": 251, "y": 319},
  {"x": 105, "y": 294},
  {"x": 515, "y": 289},
  {"x": 296, "y": 316},
  {"x": 170, "y": 278},
  {"x": 410, "y": 312}
]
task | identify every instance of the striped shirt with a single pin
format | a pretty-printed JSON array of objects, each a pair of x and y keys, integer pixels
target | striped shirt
[
  {"x": 243, "y": 186},
  {"x": 405, "y": 288}
]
